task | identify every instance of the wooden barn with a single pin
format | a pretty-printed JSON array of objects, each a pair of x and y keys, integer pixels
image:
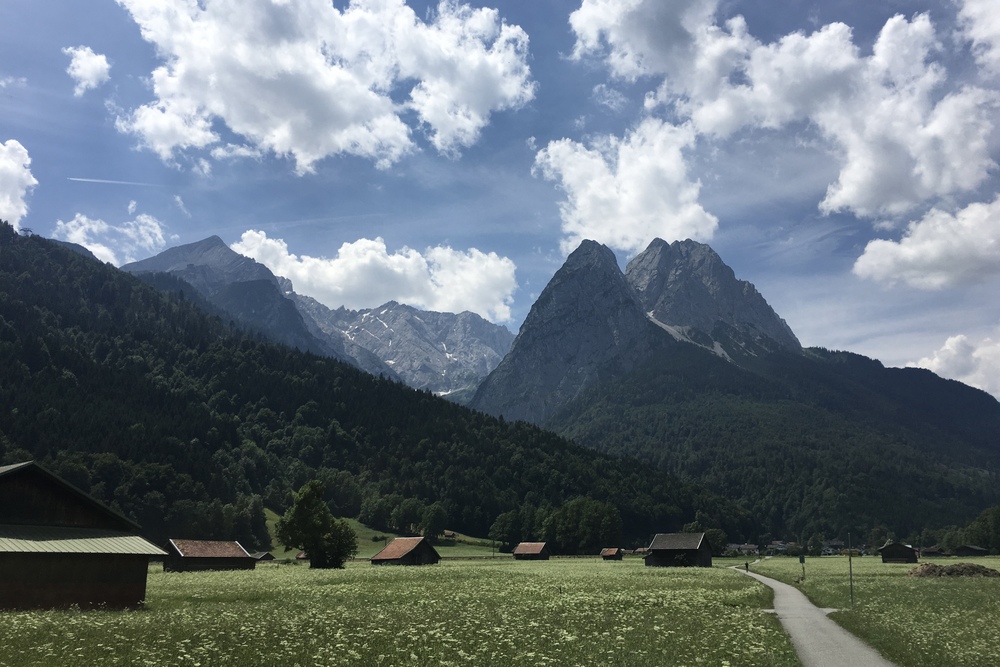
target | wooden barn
[
  {"x": 197, "y": 555},
  {"x": 61, "y": 547},
  {"x": 407, "y": 551},
  {"x": 679, "y": 550},
  {"x": 532, "y": 551},
  {"x": 970, "y": 551},
  {"x": 262, "y": 555},
  {"x": 612, "y": 553},
  {"x": 897, "y": 552}
]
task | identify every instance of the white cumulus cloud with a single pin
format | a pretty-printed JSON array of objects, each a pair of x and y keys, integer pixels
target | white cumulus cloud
[
  {"x": 902, "y": 136},
  {"x": 364, "y": 274},
  {"x": 87, "y": 68},
  {"x": 625, "y": 192},
  {"x": 974, "y": 363},
  {"x": 15, "y": 181},
  {"x": 308, "y": 80},
  {"x": 939, "y": 250},
  {"x": 117, "y": 244},
  {"x": 980, "y": 22}
]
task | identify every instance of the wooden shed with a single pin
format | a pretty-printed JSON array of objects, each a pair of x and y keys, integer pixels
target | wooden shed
[
  {"x": 407, "y": 551},
  {"x": 262, "y": 555},
  {"x": 612, "y": 553},
  {"x": 679, "y": 550},
  {"x": 970, "y": 551},
  {"x": 532, "y": 551},
  {"x": 198, "y": 555},
  {"x": 61, "y": 547},
  {"x": 897, "y": 552}
]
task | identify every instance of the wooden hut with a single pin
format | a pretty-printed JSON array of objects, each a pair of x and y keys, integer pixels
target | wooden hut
[
  {"x": 970, "y": 551},
  {"x": 262, "y": 555},
  {"x": 407, "y": 551},
  {"x": 679, "y": 550},
  {"x": 612, "y": 553},
  {"x": 198, "y": 555},
  {"x": 60, "y": 547},
  {"x": 897, "y": 552},
  {"x": 532, "y": 551}
]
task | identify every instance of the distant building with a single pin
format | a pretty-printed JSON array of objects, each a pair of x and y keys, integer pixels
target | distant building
[
  {"x": 407, "y": 551},
  {"x": 262, "y": 555},
  {"x": 679, "y": 550},
  {"x": 970, "y": 551},
  {"x": 897, "y": 552},
  {"x": 197, "y": 555},
  {"x": 60, "y": 547},
  {"x": 532, "y": 551},
  {"x": 612, "y": 553}
]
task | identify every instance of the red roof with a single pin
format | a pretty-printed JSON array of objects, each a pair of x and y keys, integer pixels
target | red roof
[
  {"x": 611, "y": 551},
  {"x": 209, "y": 549},
  {"x": 398, "y": 548},
  {"x": 528, "y": 548}
]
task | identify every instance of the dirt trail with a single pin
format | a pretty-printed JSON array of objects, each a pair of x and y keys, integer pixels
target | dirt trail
[{"x": 818, "y": 641}]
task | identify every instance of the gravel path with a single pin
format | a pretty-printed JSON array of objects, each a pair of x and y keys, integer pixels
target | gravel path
[{"x": 818, "y": 641}]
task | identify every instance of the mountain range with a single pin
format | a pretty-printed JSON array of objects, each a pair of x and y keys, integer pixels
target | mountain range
[{"x": 444, "y": 353}]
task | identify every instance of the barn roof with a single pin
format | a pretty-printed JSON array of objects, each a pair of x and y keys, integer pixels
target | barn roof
[
  {"x": 84, "y": 496},
  {"x": 209, "y": 549},
  {"x": 611, "y": 551},
  {"x": 673, "y": 541},
  {"x": 528, "y": 548},
  {"x": 398, "y": 548},
  {"x": 57, "y": 539}
]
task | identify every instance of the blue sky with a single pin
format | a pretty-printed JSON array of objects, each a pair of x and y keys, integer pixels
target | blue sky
[{"x": 840, "y": 155}]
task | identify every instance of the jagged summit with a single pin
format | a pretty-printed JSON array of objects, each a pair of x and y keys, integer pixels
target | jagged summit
[
  {"x": 686, "y": 284},
  {"x": 208, "y": 265}
]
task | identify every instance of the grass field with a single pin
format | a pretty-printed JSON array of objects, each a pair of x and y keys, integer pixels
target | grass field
[
  {"x": 494, "y": 612},
  {"x": 915, "y": 622}
]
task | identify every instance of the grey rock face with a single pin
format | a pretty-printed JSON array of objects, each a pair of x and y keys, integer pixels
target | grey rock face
[
  {"x": 586, "y": 319},
  {"x": 686, "y": 284},
  {"x": 439, "y": 352},
  {"x": 593, "y": 321}
]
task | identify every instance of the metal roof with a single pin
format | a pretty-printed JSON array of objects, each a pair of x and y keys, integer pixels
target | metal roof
[
  {"x": 57, "y": 539},
  {"x": 683, "y": 541}
]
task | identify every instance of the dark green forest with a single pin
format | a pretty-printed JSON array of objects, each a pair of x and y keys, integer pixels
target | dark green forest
[
  {"x": 191, "y": 426},
  {"x": 816, "y": 444}
]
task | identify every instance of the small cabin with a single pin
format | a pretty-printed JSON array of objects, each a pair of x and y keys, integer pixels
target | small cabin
[
  {"x": 679, "y": 550},
  {"x": 970, "y": 551},
  {"x": 897, "y": 552},
  {"x": 612, "y": 553},
  {"x": 199, "y": 555},
  {"x": 532, "y": 551},
  {"x": 60, "y": 547},
  {"x": 407, "y": 551}
]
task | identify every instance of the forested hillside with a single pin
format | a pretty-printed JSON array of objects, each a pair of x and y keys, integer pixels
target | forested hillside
[
  {"x": 818, "y": 443},
  {"x": 191, "y": 426}
]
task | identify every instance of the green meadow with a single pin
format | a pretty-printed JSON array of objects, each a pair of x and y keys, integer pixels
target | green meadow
[
  {"x": 913, "y": 621},
  {"x": 470, "y": 612}
]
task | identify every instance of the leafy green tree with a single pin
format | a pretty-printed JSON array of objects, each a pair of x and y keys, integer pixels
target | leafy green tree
[
  {"x": 433, "y": 521},
  {"x": 310, "y": 525}
]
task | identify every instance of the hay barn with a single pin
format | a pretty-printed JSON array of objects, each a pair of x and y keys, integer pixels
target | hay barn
[
  {"x": 897, "y": 552},
  {"x": 407, "y": 551},
  {"x": 197, "y": 555},
  {"x": 679, "y": 550},
  {"x": 612, "y": 553},
  {"x": 60, "y": 547},
  {"x": 970, "y": 551},
  {"x": 532, "y": 551}
]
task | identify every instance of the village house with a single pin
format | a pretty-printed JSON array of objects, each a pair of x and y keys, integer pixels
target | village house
[
  {"x": 60, "y": 547},
  {"x": 532, "y": 551},
  {"x": 407, "y": 551},
  {"x": 679, "y": 550},
  {"x": 197, "y": 555}
]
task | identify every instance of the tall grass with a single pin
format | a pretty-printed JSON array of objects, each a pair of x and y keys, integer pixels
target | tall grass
[
  {"x": 915, "y": 622},
  {"x": 562, "y": 612}
]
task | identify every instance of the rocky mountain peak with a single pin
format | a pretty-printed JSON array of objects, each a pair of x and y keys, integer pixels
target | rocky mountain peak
[
  {"x": 208, "y": 265},
  {"x": 685, "y": 284}
]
